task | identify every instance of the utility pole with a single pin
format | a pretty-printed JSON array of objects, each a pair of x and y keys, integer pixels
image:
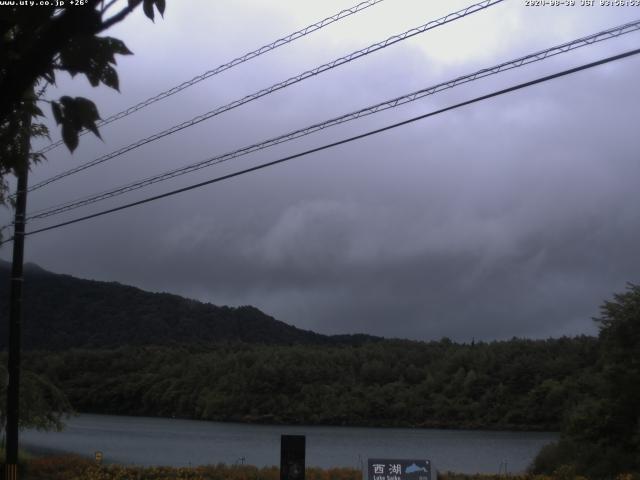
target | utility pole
[{"x": 15, "y": 314}]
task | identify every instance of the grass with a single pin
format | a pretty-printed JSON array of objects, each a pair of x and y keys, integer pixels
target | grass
[
  {"x": 22, "y": 456},
  {"x": 70, "y": 467}
]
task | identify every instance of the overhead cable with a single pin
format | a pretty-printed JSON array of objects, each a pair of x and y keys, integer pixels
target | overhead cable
[
  {"x": 226, "y": 66},
  {"x": 613, "y": 32},
  {"x": 340, "y": 142},
  {"x": 278, "y": 86}
]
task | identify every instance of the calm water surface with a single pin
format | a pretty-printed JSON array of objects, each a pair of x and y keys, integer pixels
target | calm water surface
[{"x": 162, "y": 441}]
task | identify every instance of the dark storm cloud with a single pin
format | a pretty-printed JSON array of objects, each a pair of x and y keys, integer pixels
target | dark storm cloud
[{"x": 514, "y": 217}]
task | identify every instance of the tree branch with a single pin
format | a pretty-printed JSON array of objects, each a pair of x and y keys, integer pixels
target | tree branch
[
  {"x": 36, "y": 57},
  {"x": 121, "y": 15},
  {"x": 108, "y": 6}
]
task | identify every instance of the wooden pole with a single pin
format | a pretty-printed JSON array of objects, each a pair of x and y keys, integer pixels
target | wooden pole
[{"x": 15, "y": 314}]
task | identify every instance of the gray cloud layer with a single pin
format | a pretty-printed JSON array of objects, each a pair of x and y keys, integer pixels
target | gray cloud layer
[{"x": 515, "y": 217}]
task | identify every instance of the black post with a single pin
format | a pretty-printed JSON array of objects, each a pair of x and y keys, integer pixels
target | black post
[
  {"x": 292, "y": 457},
  {"x": 15, "y": 314}
]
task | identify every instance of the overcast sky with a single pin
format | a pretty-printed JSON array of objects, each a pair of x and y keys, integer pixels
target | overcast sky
[{"x": 517, "y": 216}]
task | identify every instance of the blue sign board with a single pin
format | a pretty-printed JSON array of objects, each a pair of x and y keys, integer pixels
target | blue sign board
[{"x": 399, "y": 469}]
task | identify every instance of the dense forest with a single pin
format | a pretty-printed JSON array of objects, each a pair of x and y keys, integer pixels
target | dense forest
[{"x": 517, "y": 384}]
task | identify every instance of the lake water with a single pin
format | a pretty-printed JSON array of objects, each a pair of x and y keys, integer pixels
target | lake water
[{"x": 162, "y": 441}]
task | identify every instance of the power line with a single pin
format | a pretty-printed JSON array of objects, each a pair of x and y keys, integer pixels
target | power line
[
  {"x": 278, "y": 86},
  {"x": 341, "y": 142},
  {"x": 613, "y": 32},
  {"x": 226, "y": 66}
]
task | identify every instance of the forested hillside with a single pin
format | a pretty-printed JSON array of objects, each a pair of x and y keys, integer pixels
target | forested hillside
[
  {"x": 109, "y": 348},
  {"x": 63, "y": 312},
  {"x": 517, "y": 384},
  {"x": 144, "y": 353}
]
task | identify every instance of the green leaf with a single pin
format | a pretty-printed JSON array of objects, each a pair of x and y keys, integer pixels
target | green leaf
[
  {"x": 93, "y": 57},
  {"x": 93, "y": 77},
  {"x": 117, "y": 46},
  {"x": 36, "y": 157},
  {"x": 87, "y": 114},
  {"x": 66, "y": 101},
  {"x": 70, "y": 136},
  {"x": 39, "y": 130},
  {"x": 147, "y": 6},
  {"x": 86, "y": 108},
  {"x": 37, "y": 112},
  {"x": 160, "y": 5},
  {"x": 57, "y": 112},
  {"x": 75, "y": 114},
  {"x": 68, "y": 108},
  {"x": 109, "y": 77}
]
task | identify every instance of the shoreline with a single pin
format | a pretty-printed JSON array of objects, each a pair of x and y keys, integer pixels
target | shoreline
[{"x": 266, "y": 423}]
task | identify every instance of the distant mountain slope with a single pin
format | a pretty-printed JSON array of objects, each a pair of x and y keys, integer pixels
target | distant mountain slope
[{"x": 63, "y": 312}]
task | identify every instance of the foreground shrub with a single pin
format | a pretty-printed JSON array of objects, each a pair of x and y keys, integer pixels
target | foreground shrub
[
  {"x": 551, "y": 457},
  {"x": 78, "y": 468}
]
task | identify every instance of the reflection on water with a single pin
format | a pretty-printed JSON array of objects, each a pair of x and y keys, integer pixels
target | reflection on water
[{"x": 160, "y": 441}]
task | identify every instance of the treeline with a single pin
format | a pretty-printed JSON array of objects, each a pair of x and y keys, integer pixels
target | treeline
[
  {"x": 517, "y": 384},
  {"x": 600, "y": 437}
]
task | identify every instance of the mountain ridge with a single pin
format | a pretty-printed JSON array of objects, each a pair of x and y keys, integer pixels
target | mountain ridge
[{"x": 62, "y": 311}]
